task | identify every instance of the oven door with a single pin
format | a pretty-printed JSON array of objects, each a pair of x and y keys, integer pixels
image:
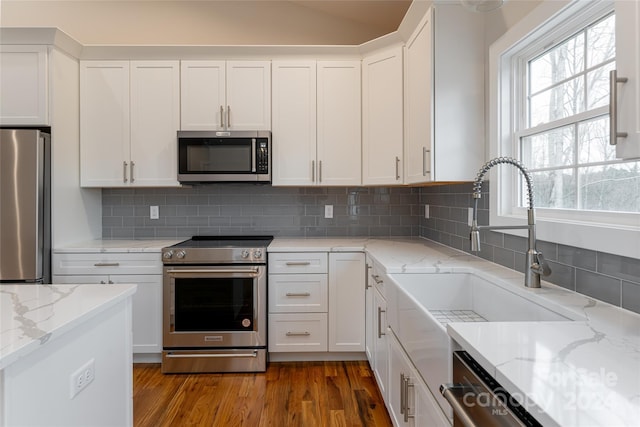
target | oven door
[{"x": 214, "y": 306}]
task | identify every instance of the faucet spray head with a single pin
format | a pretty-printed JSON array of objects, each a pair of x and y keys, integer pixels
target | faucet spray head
[{"x": 475, "y": 238}]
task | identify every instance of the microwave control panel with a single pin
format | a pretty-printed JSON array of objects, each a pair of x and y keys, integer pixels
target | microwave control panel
[{"x": 262, "y": 156}]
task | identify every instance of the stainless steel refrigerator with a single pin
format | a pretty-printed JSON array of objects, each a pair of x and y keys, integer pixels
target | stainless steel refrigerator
[{"x": 25, "y": 206}]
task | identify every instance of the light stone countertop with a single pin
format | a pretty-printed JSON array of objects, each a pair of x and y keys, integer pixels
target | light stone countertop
[
  {"x": 117, "y": 246},
  {"x": 32, "y": 315},
  {"x": 584, "y": 372}
]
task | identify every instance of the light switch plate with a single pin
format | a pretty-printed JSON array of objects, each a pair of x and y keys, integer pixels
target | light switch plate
[
  {"x": 154, "y": 212},
  {"x": 328, "y": 211},
  {"x": 426, "y": 211}
]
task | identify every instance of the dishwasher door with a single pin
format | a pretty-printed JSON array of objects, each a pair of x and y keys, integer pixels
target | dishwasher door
[{"x": 479, "y": 401}]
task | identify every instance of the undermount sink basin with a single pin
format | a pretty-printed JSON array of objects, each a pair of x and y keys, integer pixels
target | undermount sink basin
[{"x": 420, "y": 305}]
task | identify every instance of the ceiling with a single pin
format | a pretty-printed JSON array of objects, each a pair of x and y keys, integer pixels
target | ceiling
[{"x": 384, "y": 15}]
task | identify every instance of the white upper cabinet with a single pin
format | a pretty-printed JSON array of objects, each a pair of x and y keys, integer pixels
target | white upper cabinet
[
  {"x": 339, "y": 150},
  {"x": 627, "y": 60},
  {"x": 225, "y": 95},
  {"x": 418, "y": 71},
  {"x": 23, "y": 85},
  {"x": 444, "y": 96},
  {"x": 316, "y": 123},
  {"x": 382, "y": 117},
  {"x": 129, "y": 119},
  {"x": 294, "y": 123}
]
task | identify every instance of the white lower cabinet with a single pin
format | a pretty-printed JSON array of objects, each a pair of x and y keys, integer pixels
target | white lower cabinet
[
  {"x": 377, "y": 346},
  {"x": 106, "y": 268},
  {"x": 316, "y": 302},
  {"x": 410, "y": 402}
]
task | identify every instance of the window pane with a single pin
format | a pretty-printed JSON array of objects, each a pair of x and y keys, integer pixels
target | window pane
[
  {"x": 560, "y": 63},
  {"x": 549, "y": 149},
  {"x": 558, "y": 102},
  {"x": 601, "y": 40},
  {"x": 593, "y": 141},
  {"x": 611, "y": 187},
  {"x": 598, "y": 86},
  {"x": 554, "y": 189}
]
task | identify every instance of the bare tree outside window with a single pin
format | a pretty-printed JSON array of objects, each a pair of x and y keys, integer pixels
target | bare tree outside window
[{"x": 571, "y": 161}]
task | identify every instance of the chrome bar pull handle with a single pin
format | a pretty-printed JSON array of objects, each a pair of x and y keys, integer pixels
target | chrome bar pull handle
[
  {"x": 366, "y": 276},
  {"x": 221, "y": 117},
  {"x": 131, "y": 169},
  {"x": 298, "y": 294},
  {"x": 403, "y": 397},
  {"x": 124, "y": 172},
  {"x": 298, "y": 334},
  {"x": 313, "y": 171},
  {"x": 228, "y": 117},
  {"x": 319, "y": 170},
  {"x": 106, "y": 264},
  {"x": 292, "y": 263},
  {"x": 407, "y": 384},
  {"x": 397, "y": 168},
  {"x": 425, "y": 162},
  {"x": 380, "y": 311},
  {"x": 253, "y": 154},
  {"x": 613, "y": 107}
]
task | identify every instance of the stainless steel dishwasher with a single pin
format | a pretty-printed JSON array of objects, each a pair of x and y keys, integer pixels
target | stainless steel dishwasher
[{"x": 479, "y": 401}]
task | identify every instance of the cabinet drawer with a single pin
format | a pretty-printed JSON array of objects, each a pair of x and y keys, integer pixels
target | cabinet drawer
[
  {"x": 299, "y": 262},
  {"x": 297, "y": 332},
  {"x": 298, "y": 293},
  {"x": 106, "y": 263}
]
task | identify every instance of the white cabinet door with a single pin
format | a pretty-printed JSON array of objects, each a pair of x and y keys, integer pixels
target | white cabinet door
[
  {"x": 147, "y": 311},
  {"x": 381, "y": 343},
  {"x": 418, "y": 71},
  {"x": 410, "y": 401},
  {"x": 369, "y": 318},
  {"x": 130, "y": 116},
  {"x": 294, "y": 123},
  {"x": 382, "y": 122},
  {"x": 202, "y": 95},
  {"x": 248, "y": 95},
  {"x": 627, "y": 60},
  {"x": 346, "y": 301},
  {"x": 24, "y": 85},
  {"x": 339, "y": 136},
  {"x": 155, "y": 119},
  {"x": 104, "y": 123}
]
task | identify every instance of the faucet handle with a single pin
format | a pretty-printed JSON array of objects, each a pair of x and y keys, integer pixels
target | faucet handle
[{"x": 541, "y": 266}]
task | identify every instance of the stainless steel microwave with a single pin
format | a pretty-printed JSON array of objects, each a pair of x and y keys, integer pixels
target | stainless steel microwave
[{"x": 224, "y": 156}]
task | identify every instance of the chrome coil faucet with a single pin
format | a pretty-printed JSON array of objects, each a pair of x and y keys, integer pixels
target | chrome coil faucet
[{"x": 535, "y": 263}]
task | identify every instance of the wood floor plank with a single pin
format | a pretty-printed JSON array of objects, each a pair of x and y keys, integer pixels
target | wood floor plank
[{"x": 291, "y": 394}]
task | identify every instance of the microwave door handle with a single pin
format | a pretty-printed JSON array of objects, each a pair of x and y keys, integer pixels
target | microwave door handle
[{"x": 253, "y": 155}]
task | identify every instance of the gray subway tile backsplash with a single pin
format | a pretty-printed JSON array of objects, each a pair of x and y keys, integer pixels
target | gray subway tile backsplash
[{"x": 242, "y": 209}]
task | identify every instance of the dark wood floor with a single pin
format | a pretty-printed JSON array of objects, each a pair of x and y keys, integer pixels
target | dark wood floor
[{"x": 303, "y": 394}]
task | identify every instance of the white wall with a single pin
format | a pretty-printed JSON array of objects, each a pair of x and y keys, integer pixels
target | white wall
[{"x": 240, "y": 22}]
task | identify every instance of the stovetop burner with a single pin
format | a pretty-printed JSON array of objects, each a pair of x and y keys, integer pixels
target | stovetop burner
[
  {"x": 225, "y": 242},
  {"x": 218, "y": 250}
]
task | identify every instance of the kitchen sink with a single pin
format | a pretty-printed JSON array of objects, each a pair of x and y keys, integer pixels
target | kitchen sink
[{"x": 421, "y": 305}]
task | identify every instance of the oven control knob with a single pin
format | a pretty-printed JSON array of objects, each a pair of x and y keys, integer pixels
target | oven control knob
[
  {"x": 244, "y": 253},
  {"x": 181, "y": 254},
  {"x": 257, "y": 253},
  {"x": 167, "y": 255}
]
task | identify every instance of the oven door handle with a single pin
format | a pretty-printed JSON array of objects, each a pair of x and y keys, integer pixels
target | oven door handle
[
  {"x": 218, "y": 355},
  {"x": 252, "y": 271}
]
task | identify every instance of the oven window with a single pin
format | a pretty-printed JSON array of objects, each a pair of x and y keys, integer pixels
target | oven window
[
  {"x": 219, "y": 158},
  {"x": 208, "y": 304}
]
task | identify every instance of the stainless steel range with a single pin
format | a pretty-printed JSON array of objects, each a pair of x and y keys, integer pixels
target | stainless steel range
[{"x": 215, "y": 304}]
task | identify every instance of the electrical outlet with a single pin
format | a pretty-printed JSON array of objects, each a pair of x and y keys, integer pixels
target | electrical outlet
[
  {"x": 426, "y": 211},
  {"x": 81, "y": 378},
  {"x": 328, "y": 211},
  {"x": 154, "y": 212}
]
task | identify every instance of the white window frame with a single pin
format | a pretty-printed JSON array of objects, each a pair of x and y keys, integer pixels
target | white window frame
[{"x": 589, "y": 230}]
